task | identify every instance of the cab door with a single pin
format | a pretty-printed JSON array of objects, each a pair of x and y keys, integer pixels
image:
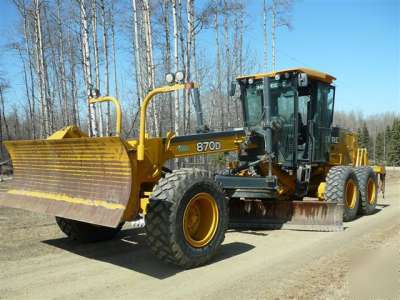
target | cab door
[{"x": 324, "y": 96}]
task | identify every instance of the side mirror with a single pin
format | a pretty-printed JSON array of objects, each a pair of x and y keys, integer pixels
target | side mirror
[
  {"x": 232, "y": 90},
  {"x": 302, "y": 80}
]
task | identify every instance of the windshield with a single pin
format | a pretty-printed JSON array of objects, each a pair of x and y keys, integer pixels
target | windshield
[
  {"x": 282, "y": 110},
  {"x": 253, "y": 102}
]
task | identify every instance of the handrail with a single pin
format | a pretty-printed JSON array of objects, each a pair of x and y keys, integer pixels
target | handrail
[
  {"x": 143, "y": 109},
  {"x": 117, "y": 110}
]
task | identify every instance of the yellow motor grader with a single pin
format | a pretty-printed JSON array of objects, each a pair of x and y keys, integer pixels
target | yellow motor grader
[{"x": 293, "y": 170}]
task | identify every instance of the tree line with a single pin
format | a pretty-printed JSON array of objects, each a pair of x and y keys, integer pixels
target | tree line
[
  {"x": 66, "y": 48},
  {"x": 379, "y": 134}
]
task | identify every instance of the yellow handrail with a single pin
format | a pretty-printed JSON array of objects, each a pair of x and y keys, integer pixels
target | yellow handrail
[
  {"x": 362, "y": 157},
  {"x": 143, "y": 109},
  {"x": 117, "y": 110}
]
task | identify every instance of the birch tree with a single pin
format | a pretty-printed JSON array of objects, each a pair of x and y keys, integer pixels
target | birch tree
[
  {"x": 265, "y": 35},
  {"x": 87, "y": 73},
  {"x": 114, "y": 53},
  {"x": 280, "y": 10},
  {"x": 96, "y": 65},
  {"x": 150, "y": 62},
  {"x": 136, "y": 51},
  {"x": 227, "y": 60},
  {"x": 106, "y": 63},
  {"x": 176, "y": 63},
  {"x": 3, "y": 87},
  {"x": 189, "y": 41},
  {"x": 40, "y": 65},
  {"x": 29, "y": 82},
  {"x": 218, "y": 66},
  {"x": 167, "y": 69}
]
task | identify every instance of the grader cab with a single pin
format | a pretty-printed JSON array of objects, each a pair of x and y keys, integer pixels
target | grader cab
[{"x": 293, "y": 170}]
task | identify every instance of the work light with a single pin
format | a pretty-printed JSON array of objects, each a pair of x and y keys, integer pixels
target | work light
[
  {"x": 179, "y": 76},
  {"x": 169, "y": 77}
]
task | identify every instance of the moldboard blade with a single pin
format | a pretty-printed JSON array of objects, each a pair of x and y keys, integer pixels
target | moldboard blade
[
  {"x": 84, "y": 179},
  {"x": 294, "y": 215}
]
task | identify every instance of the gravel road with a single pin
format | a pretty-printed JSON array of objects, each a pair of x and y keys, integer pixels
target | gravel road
[{"x": 362, "y": 262}]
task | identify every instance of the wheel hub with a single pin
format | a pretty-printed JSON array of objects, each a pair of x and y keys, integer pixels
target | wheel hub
[
  {"x": 351, "y": 194},
  {"x": 371, "y": 191},
  {"x": 200, "y": 220}
]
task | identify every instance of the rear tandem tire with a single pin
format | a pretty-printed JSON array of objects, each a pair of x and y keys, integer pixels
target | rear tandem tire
[
  {"x": 187, "y": 218},
  {"x": 86, "y": 232},
  {"x": 342, "y": 187},
  {"x": 368, "y": 186}
]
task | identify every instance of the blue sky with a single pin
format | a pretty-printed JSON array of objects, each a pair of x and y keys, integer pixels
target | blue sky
[{"x": 356, "y": 41}]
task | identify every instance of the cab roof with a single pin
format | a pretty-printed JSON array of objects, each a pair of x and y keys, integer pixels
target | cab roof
[{"x": 310, "y": 72}]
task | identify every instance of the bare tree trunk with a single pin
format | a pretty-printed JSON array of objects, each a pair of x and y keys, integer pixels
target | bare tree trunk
[
  {"x": 21, "y": 5},
  {"x": 74, "y": 92},
  {"x": 236, "y": 59},
  {"x": 227, "y": 62},
  {"x": 150, "y": 62},
  {"x": 45, "y": 130},
  {"x": 17, "y": 125},
  {"x": 49, "y": 96},
  {"x": 114, "y": 50},
  {"x": 87, "y": 73},
  {"x": 106, "y": 63},
  {"x": 99, "y": 112},
  {"x": 273, "y": 33},
  {"x": 168, "y": 60},
  {"x": 138, "y": 67},
  {"x": 57, "y": 91},
  {"x": 176, "y": 63},
  {"x": 28, "y": 96},
  {"x": 265, "y": 26},
  {"x": 241, "y": 29},
  {"x": 189, "y": 40},
  {"x": 3, "y": 113},
  {"x": 61, "y": 62},
  {"x": 182, "y": 52},
  {"x": 219, "y": 75}
]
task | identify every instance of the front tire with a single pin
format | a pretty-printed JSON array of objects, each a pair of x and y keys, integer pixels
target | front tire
[
  {"x": 86, "y": 232},
  {"x": 342, "y": 187},
  {"x": 186, "y": 218}
]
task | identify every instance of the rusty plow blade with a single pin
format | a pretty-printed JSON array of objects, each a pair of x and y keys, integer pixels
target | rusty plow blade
[
  {"x": 294, "y": 215},
  {"x": 85, "y": 179}
]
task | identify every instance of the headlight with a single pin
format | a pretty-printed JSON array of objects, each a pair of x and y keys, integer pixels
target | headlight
[
  {"x": 251, "y": 80},
  {"x": 169, "y": 78},
  {"x": 277, "y": 77},
  {"x": 179, "y": 76}
]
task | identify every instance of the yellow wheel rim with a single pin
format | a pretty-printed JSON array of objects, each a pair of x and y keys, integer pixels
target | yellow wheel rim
[
  {"x": 371, "y": 191},
  {"x": 200, "y": 220},
  {"x": 351, "y": 194}
]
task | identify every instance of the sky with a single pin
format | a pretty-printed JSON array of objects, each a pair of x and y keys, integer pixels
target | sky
[{"x": 357, "y": 41}]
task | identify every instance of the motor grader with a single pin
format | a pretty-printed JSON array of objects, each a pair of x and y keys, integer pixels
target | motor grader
[{"x": 292, "y": 169}]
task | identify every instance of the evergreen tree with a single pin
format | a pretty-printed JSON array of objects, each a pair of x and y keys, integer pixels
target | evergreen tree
[
  {"x": 386, "y": 144},
  {"x": 360, "y": 137},
  {"x": 363, "y": 137},
  {"x": 394, "y": 152},
  {"x": 379, "y": 147}
]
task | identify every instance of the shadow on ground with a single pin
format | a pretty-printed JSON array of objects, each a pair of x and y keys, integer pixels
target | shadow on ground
[
  {"x": 379, "y": 208},
  {"x": 130, "y": 251}
]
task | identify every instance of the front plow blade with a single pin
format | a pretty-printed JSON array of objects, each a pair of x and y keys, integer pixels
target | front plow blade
[
  {"x": 85, "y": 179},
  {"x": 294, "y": 215}
]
